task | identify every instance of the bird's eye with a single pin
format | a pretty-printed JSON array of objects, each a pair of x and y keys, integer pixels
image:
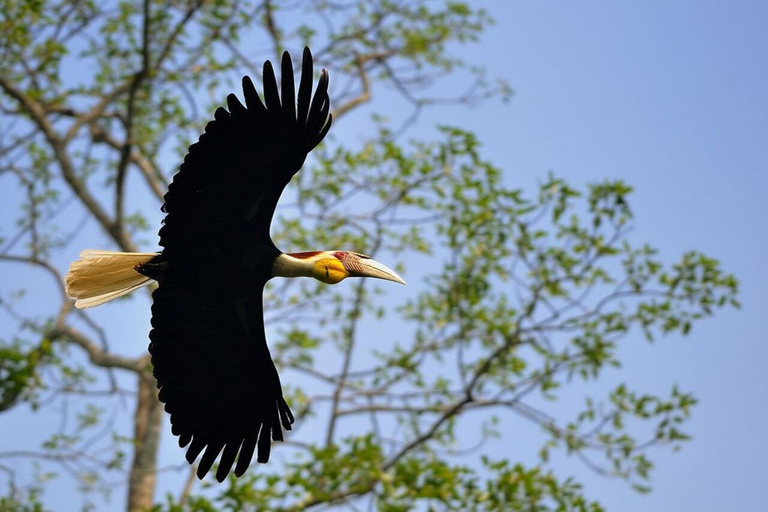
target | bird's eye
[{"x": 339, "y": 255}]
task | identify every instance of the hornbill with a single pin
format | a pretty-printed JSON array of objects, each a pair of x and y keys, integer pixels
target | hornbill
[{"x": 209, "y": 351}]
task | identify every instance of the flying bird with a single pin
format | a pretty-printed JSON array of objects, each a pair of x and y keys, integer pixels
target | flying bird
[{"x": 209, "y": 351}]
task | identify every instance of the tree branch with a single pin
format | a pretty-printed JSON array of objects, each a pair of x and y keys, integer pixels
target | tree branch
[
  {"x": 354, "y": 315},
  {"x": 97, "y": 355},
  {"x": 147, "y": 168},
  {"x": 365, "y": 94},
  {"x": 58, "y": 145},
  {"x": 274, "y": 32}
]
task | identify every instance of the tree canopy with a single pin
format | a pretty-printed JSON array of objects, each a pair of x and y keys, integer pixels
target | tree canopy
[{"x": 514, "y": 295}]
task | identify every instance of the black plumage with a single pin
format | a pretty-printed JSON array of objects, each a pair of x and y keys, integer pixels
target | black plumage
[{"x": 213, "y": 367}]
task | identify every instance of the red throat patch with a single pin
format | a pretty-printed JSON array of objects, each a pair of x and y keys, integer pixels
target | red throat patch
[{"x": 303, "y": 255}]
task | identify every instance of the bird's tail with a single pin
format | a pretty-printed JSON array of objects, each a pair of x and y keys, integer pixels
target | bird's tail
[{"x": 101, "y": 276}]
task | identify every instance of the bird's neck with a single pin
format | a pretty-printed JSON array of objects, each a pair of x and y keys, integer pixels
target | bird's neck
[{"x": 296, "y": 264}]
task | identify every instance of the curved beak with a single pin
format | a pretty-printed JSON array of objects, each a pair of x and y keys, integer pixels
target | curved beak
[{"x": 359, "y": 265}]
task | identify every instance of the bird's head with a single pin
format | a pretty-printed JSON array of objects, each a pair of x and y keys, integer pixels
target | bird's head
[{"x": 332, "y": 267}]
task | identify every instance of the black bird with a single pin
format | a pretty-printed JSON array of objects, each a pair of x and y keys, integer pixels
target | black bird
[{"x": 209, "y": 351}]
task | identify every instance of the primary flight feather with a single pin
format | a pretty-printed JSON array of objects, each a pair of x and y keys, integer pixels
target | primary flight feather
[{"x": 209, "y": 352}]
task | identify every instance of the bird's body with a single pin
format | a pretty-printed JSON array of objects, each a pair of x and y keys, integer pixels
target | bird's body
[{"x": 209, "y": 351}]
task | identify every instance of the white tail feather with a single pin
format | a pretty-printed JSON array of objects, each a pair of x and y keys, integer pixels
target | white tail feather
[{"x": 101, "y": 276}]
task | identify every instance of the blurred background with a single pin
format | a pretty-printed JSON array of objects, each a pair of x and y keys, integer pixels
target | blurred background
[{"x": 572, "y": 192}]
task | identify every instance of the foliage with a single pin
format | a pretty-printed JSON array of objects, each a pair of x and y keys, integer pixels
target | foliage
[{"x": 514, "y": 297}]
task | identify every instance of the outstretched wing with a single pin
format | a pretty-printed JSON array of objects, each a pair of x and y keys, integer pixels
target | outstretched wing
[
  {"x": 209, "y": 351},
  {"x": 231, "y": 179},
  {"x": 216, "y": 377}
]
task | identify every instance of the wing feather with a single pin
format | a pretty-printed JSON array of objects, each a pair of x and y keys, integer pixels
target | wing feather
[
  {"x": 252, "y": 100},
  {"x": 271, "y": 96},
  {"x": 305, "y": 89},
  {"x": 288, "y": 93},
  {"x": 209, "y": 352}
]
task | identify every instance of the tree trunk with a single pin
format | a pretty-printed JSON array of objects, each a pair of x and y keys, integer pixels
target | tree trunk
[{"x": 148, "y": 418}]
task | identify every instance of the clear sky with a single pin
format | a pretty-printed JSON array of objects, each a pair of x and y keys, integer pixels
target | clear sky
[{"x": 671, "y": 97}]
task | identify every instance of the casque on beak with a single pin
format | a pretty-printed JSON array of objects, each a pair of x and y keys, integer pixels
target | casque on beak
[{"x": 360, "y": 265}]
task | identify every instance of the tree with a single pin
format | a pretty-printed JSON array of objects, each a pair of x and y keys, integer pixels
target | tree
[{"x": 524, "y": 295}]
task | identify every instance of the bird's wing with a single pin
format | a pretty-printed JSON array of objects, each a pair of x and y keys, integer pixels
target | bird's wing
[
  {"x": 208, "y": 346},
  {"x": 231, "y": 179},
  {"x": 216, "y": 377}
]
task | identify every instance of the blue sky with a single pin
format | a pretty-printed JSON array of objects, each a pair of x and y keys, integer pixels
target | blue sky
[{"x": 671, "y": 97}]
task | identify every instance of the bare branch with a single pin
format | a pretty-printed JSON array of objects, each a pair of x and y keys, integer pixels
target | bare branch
[
  {"x": 45, "y": 265},
  {"x": 188, "y": 484},
  {"x": 365, "y": 94},
  {"x": 98, "y": 356},
  {"x": 274, "y": 32}
]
